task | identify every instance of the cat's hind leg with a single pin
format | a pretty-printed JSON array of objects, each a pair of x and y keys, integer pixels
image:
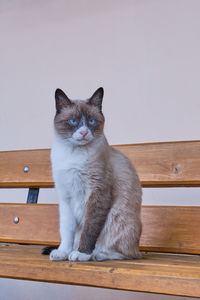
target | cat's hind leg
[{"x": 100, "y": 255}]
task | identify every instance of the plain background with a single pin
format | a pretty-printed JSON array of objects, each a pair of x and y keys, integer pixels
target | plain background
[{"x": 145, "y": 53}]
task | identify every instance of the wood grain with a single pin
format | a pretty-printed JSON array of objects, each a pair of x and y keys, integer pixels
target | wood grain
[
  {"x": 158, "y": 164},
  {"x": 166, "y": 164},
  {"x": 171, "y": 229},
  {"x": 165, "y": 228},
  {"x": 12, "y": 165},
  {"x": 38, "y": 223},
  {"x": 156, "y": 273}
]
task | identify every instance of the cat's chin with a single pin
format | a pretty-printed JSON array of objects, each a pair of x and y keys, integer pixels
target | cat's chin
[{"x": 81, "y": 142}]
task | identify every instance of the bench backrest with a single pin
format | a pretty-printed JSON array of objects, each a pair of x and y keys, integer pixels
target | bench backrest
[{"x": 165, "y": 228}]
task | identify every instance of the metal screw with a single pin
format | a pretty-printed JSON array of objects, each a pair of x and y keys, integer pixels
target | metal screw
[
  {"x": 26, "y": 169},
  {"x": 16, "y": 220}
]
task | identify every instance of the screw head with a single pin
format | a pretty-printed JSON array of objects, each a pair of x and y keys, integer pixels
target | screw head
[
  {"x": 16, "y": 220},
  {"x": 26, "y": 169}
]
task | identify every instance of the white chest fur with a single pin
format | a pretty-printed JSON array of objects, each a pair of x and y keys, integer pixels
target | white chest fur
[{"x": 69, "y": 168}]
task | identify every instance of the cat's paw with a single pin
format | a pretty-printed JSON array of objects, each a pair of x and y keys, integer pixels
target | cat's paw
[
  {"x": 59, "y": 255},
  {"x": 79, "y": 256}
]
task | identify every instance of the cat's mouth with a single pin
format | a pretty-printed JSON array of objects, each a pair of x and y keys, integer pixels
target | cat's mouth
[{"x": 83, "y": 140}]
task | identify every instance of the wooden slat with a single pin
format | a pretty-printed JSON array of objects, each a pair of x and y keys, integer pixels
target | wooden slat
[
  {"x": 38, "y": 223},
  {"x": 171, "y": 229},
  {"x": 156, "y": 273},
  {"x": 166, "y": 164},
  {"x": 12, "y": 165},
  {"x": 158, "y": 164},
  {"x": 165, "y": 228}
]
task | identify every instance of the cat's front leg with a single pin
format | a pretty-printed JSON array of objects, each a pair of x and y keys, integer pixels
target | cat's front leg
[
  {"x": 67, "y": 232},
  {"x": 97, "y": 209}
]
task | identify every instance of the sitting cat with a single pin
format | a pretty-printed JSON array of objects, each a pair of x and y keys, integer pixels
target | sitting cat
[{"x": 98, "y": 188}]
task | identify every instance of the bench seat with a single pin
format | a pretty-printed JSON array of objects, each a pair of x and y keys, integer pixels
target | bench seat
[{"x": 156, "y": 272}]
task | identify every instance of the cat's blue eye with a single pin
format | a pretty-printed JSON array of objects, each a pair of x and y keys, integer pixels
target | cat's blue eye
[
  {"x": 92, "y": 122},
  {"x": 72, "y": 122}
]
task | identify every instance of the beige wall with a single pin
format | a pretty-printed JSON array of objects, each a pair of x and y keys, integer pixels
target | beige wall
[{"x": 145, "y": 53}]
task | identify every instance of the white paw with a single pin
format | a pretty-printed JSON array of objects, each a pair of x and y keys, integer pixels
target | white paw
[
  {"x": 79, "y": 256},
  {"x": 59, "y": 255}
]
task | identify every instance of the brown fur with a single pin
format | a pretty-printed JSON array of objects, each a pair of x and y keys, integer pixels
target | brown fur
[
  {"x": 112, "y": 226},
  {"x": 75, "y": 111}
]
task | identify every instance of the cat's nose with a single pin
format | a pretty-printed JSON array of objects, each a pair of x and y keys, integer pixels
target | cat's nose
[{"x": 84, "y": 132}]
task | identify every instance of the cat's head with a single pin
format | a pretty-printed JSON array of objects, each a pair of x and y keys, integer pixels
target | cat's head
[{"x": 79, "y": 122}]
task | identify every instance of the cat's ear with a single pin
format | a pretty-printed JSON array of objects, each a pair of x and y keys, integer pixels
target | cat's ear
[
  {"x": 61, "y": 100},
  {"x": 97, "y": 98}
]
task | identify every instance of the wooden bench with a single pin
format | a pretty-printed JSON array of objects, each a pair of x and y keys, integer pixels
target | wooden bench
[{"x": 170, "y": 239}]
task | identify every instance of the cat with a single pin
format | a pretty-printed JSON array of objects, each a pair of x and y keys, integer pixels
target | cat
[{"x": 98, "y": 188}]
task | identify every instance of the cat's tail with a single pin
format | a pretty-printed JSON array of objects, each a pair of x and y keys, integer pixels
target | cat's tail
[{"x": 47, "y": 250}]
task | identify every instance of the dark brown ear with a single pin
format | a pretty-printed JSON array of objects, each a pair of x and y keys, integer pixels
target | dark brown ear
[
  {"x": 61, "y": 100},
  {"x": 97, "y": 98}
]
